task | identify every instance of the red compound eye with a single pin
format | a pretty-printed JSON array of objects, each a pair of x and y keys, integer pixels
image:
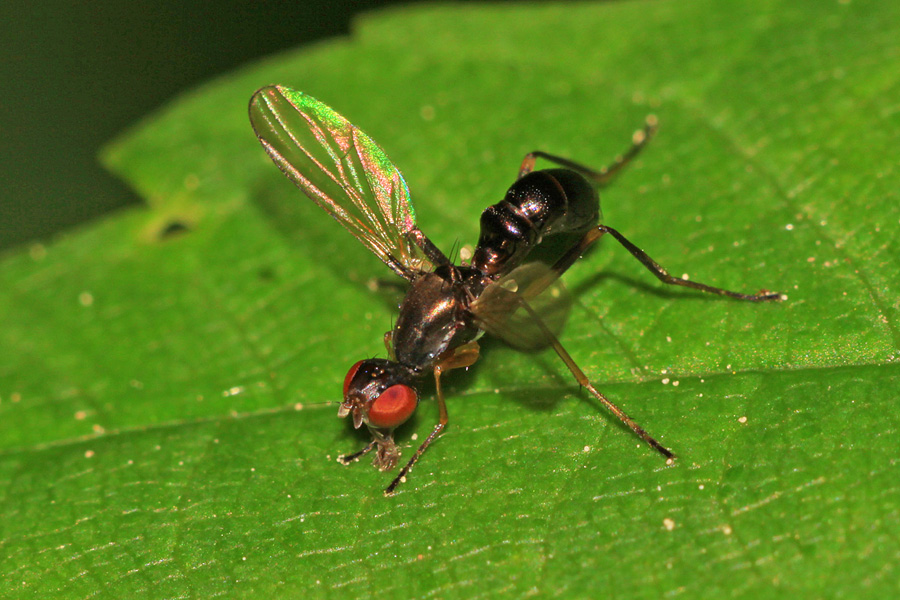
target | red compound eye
[
  {"x": 393, "y": 406},
  {"x": 349, "y": 377}
]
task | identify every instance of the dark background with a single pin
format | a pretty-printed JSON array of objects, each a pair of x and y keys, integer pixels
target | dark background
[{"x": 73, "y": 76}]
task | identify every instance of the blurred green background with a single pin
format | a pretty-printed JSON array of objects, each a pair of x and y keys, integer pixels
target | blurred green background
[{"x": 76, "y": 74}]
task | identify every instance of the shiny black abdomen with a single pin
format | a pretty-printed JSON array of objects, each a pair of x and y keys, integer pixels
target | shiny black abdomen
[{"x": 539, "y": 204}]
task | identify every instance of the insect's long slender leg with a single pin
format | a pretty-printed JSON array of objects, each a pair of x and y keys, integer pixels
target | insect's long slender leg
[
  {"x": 349, "y": 458},
  {"x": 442, "y": 423},
  {"x": 595, "y": 234},
  {"x": 604, "y": 175},
  {"x": 663, "y": 275},
  {"x": 463, "y": 356},
  {"x": 584, "y": 382}
]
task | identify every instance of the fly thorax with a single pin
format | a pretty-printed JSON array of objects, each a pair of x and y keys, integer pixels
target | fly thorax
[{"x": 431, "y": 319}]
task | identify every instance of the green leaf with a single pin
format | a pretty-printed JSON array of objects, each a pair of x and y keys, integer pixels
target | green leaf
[{"x": 169, "y": 377}]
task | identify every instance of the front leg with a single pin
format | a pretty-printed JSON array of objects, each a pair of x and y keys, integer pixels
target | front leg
[
  {"x": 463, "y": 356},
  {"x": 387, "y": 451}
]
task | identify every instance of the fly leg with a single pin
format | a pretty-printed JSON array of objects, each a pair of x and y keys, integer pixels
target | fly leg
[
  {"x": 346, "y": 459},
  {"x": 603, "y": 176},
  {"x": 464, "y": 356},
  {"x": 584, "y": 382},
  {"x": 566, "y": 261},
  {"x": 575, "y": 252},
  {"x": 387, "y": 451}
]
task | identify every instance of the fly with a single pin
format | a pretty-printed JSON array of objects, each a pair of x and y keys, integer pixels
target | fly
[{"x": 447, "y": 307}]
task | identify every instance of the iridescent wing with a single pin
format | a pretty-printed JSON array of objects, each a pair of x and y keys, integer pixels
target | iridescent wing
[
  {"x": 342, "y": 170},
  {"x": 501, "y": 308}
]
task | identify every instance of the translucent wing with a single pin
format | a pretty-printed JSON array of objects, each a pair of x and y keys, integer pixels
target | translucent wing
[
  {"x": 342, "y": 170},
  {"x": 500, "y": 308}
]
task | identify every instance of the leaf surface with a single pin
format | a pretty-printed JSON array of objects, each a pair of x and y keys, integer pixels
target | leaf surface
[{"x": 169, "y": 377}]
